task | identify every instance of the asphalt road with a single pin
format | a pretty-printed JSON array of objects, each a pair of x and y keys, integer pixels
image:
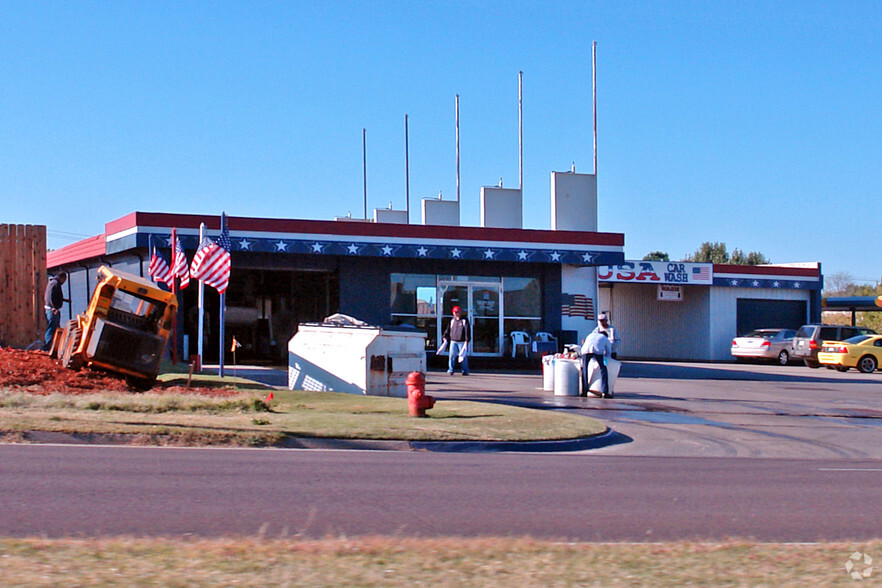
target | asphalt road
[
  {"x": 708, "y": 451},
  {"x": 713, "y": 410},
  {"x": 85, "y": 491}
]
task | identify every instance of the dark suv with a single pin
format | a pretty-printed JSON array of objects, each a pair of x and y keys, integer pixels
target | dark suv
[{"x": 807, "y": 343}]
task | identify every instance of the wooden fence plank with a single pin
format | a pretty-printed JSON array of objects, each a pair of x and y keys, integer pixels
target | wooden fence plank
[{"x": 22, "y": 281}]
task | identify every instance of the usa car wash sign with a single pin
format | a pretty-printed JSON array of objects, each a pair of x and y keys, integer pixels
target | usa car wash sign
[{"x": 658, "y": 272}]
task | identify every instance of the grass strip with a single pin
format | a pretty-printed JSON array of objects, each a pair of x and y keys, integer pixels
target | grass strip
[
  {"x": 249, "y": 419},
  {"x": 399, "y": 561}
]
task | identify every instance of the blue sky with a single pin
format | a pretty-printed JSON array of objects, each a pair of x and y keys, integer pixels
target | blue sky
[{"x": 752, "y": 123}]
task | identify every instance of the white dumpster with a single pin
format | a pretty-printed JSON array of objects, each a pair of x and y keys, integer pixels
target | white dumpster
[
  {"x": 566, "y": 376},
  {"x": 358, "y": 359}
]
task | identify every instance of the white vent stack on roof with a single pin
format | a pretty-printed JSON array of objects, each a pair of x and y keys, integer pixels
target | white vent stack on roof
[
  {"x": 440, "y": 212},
  {"x": 573, "y": 202},
  {"x": 502, "y": 208}
]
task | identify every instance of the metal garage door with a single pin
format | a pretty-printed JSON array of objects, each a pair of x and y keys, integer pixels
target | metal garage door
[{"x": 756, "y": 313}]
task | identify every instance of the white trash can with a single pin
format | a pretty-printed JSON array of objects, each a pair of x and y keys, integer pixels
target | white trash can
[
  {"x": 612, "y": 370},
  {"x": 566, "y": 377},
  {"x": 548, "y": 373}
]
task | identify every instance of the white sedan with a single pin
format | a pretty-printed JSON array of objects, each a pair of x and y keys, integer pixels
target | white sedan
[{"x": 765, "y": 344}]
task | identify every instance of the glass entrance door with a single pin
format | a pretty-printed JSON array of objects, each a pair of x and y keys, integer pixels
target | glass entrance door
[{"x": 482, "y": 304}]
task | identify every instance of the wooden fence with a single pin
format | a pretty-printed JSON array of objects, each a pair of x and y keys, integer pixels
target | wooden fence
[{"x": 22, "y": 282}]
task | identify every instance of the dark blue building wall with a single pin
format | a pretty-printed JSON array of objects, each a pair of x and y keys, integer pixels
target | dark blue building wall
[{"x": 365, "y": 294}]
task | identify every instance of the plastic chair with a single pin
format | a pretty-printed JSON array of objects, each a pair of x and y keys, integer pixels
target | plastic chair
[
  {"x": 544, "y": 337},
  {"x": 520, "y": 339}
]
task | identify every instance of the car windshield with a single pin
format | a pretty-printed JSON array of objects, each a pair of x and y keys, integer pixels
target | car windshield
[{"x": 857, "y": 339}]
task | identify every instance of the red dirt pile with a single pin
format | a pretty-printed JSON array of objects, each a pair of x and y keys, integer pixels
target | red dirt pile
[{"x": 35, "y": 372}]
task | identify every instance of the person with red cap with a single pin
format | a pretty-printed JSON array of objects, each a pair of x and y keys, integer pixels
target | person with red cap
[{"x": 458, "y": 334}]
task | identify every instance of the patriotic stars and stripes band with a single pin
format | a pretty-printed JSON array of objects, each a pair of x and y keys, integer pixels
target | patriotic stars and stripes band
[{"x": 420, "y": 251}]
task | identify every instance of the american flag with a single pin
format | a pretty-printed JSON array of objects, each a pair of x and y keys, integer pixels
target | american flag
[
  {"x": 159, "y": 270},
  {"x": 211, "y": 264},
  {"x": 701, "y": 273},
  {"x": 577, "y": 305},
  {"x": 180, "y": 269}
]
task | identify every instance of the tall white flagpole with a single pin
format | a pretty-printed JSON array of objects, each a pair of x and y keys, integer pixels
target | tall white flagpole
[{"x": 201, "y": 301}]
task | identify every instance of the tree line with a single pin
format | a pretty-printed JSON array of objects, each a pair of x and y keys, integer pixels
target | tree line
[{"x": 713, "y": 252}]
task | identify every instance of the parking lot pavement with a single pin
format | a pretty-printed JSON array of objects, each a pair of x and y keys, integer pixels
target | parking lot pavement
[{"x": 718, "y": 410}]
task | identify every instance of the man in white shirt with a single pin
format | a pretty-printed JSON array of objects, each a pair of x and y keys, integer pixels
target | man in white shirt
[
  {"x": 597, "y": 347},
  {"x": 603, "y": 324}
]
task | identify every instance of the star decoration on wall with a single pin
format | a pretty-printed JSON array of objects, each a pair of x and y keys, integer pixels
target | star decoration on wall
[
  {"x": 587, "y": 257},
  {"x": 455, "y": 252},
  {"x": 352, "y": 248},
  {"x": 489, "y": 253},
  {"x": 522, "y": 255},
  {"x": 422, "y": 251},
  {"x": 386, "y": 250},
  {"x": 316, "y": 247},
  {"x": 281, "y": 246},
  {"x": 555, "y": 256},
  {"x": 733, "y": 282},
  {"x": 245, "y": 245},
  {"x": 755, "y": 283}
]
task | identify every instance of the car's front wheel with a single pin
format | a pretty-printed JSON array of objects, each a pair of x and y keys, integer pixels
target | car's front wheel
[
  {"x": 783, "y": 357},
  {"x": 867, "y": 364}
]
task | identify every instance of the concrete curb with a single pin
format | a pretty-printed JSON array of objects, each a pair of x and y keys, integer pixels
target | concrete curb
[{"x": 608, "y": 438}]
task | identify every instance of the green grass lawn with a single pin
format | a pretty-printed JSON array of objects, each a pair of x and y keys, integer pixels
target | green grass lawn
[{"x": 249, "y": 419}]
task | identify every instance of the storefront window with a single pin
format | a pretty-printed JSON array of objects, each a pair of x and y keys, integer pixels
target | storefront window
[
  {"x": 495, "y": 306},
  {"x": 413, "y": 299}
]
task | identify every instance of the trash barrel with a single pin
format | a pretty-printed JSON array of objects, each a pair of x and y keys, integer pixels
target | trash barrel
[
  {"x": 612, "y": 370},
  {"x": 548, "y": 373},
  {"x": 566, "y": 377}
]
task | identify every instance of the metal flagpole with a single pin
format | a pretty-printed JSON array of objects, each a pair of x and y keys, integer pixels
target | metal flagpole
[
  {"x": 174, "y": 290},
  {"x": 223, "y": 306},
  {"x": 457, "y": 148},
  {"x": 201, "y": 299},
  {"x": 594, "y": 96}
]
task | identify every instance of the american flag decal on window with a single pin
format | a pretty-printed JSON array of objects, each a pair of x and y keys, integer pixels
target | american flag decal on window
[{"x": 577, "y": 305}]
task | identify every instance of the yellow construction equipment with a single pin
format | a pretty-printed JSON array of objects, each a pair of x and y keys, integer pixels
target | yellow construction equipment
[{"x": 125, "y": 329}]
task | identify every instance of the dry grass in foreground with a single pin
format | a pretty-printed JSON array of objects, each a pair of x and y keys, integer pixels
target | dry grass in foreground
[{"x": 428, "y": 562}]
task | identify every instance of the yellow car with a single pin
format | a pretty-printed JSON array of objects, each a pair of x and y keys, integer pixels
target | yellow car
[{"x": 863, "y": 352}]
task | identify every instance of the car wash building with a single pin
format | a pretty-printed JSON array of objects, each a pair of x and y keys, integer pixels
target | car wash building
[
  {"x": 691, "y": 311},
  {"x": 385, "y": 271}
]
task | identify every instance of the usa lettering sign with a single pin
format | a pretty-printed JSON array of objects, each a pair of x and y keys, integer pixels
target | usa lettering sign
[{"x": 658, "y": 272}]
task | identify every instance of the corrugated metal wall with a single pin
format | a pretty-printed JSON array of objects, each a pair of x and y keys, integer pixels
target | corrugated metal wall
[
  {"x": 652, "y": 329},
  {"x": 724, "y": 309}
]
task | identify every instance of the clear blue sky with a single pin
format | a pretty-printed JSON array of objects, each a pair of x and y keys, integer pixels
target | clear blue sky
[{"x": 752, "y": 123}]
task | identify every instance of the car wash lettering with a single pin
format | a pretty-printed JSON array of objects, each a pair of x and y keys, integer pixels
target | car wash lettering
[
  {"x": 662, "y": 272},
  {"x": 676, "y": 274}
]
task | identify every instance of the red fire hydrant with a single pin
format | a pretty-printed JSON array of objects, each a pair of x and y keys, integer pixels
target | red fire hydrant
[{"x": 417, "y": 401}]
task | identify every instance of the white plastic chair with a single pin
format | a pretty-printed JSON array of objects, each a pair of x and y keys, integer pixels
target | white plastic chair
[
  {"x": 544, "y": 337},
  {"x": 520, "y": 339}
]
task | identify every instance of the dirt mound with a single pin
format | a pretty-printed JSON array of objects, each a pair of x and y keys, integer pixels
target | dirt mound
[{"x": 37, "y": 373}]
